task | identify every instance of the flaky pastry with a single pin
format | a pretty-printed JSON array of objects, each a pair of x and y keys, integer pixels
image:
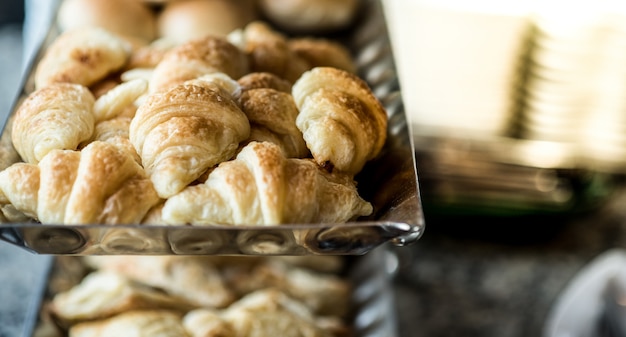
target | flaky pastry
[
  {"x": 324, "y": 294},
  {"x": 262, "y": 187},
  {"x": 259, "y": 80},
  {"x": 272, "y": 115},
  {"x": 343, "y": 123},
  {"x": 268, "y": 51},
  {"x": 83, "y": 56},
  {"x": 104, "y": 294},
  {"x": 198, "y": 57},
  {"x": 193, "y": 278},
  {"x": 100, "y": 184},
  {"x": 114, "y": 102},
  {"x": 115, "y": 131},
  {"x": 270, "y": 312},
  {"x": 184, "y": 131},
  {"x": 319, "y": 52},
  {"x": 59, "y": 116},
  {"x": 137, "y": 323}
]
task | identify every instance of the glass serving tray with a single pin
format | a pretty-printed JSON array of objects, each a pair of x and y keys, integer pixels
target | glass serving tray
[{"x": 389, "y": 182}]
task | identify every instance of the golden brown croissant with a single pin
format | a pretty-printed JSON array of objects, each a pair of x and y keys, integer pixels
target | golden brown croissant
[
  {"x": 104, "y": 294},
  {"x": 343, "y": 123},
  {"x": 196, "y": 58},
  {"x": 115, "y": 131},
  {"x": 270, "y": 312},
  {"x": 268, "y": 51},
  {"x": 59, "y": 116},
  {"x": 184, "y": 131},
  {"x": 138, "y": 323},
  {"x": 258, "y": 80},
  {"x": 100, "y": 184},
  {"x": 83, "y": 56},
  {"x": 272, "y": 115},
  {"x": 193, "y": 278},
  {"x": 262, "y": 187},
  {"x": 115, "y": 101},
  {"x": 319, "y": 52}
]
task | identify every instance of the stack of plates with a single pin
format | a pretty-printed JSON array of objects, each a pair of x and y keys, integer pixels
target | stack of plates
[{"x": 575, "y": 89}]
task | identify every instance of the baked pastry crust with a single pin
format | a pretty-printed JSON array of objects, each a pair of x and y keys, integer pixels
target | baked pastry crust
[
  {"x": 104, "y": 294},
  {"x": 193, "y": 278},
  {"x": 139, "y": 323},
  {"x": 319, "y": 52},
  {"x": 198, "y": 57},
  {"x": 272, "y": 115},
  {"x": 258, "y": 80},
  {"x": 262, "y": 187},
  {"x": 83, "y": 56},
  {"x": 182, "y": 132},
  {"x": 100, "y": 184},
  {"x": 268, "y": 51},
  {"x": 343, "y": 123},
  {"x": 59, "y": 116}
]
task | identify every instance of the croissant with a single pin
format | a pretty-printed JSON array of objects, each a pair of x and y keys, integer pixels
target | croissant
[
  {"x": 99, "y": 184},
  {"x": 137, "y": 323},
  {"x": 258, "y": 80},
  {"x": 58, "y": 116},
  {"x": 105, "y": 294},
  {"x": 262, "y": 187},
  {"x": 184, "y": 131},
  {"x": 272, "y": 115},
  {"x": 196, "y": 58},
  {"x": 268, "y": 51},
  {"x": 319, "y": 52},
  {"x": 196, "y": 279},
  {"x": 118, "y": 99},
  {"x": 83, "y": 56},
  {"x": 343, "y": 123},
  {"x": 115, "y": 131}
]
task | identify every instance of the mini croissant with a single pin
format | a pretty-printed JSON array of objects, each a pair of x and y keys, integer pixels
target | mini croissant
[
  {"x": 196, "y": 58},
  {"x": 182, "y": 132},
  {"x": 262, "y": 187},
  {"x": 59, "y": 116},
  {"x": 269, "y": 51},
  {"x": 343, "y": 123},
  {"x": 272, "y": 115},
  {"x": 101, "y": 184},
  {"x": 84, "y": 56}
]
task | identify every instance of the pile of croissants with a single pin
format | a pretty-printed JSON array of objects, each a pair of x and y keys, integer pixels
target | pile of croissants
[{"x": 254, "y": 127}]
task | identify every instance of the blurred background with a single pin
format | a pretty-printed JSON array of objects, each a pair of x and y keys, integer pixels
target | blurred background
[{"x": 519, "y": 123}]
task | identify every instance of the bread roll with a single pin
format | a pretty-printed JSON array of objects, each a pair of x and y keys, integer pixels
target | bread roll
[
  {"x": 186, "y": 20},
  {"x": 310, "y": 16},
  {"x": 125, "y": 18}
]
